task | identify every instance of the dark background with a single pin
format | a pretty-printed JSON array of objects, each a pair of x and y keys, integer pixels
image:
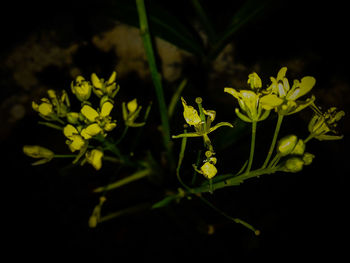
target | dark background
[{"x": 46, "y": 207}]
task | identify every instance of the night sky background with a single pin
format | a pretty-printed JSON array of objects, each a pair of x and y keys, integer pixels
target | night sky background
[{"x": 46, "y": 208}]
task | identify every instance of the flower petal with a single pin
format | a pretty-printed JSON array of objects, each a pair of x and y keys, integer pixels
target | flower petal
[
  {"x": 190, "y": 114},
  {"x": 89, "y": 113},
  {"x": 270, "y": 101},
  {"x": 90, "y": 131},
  {"x": 69, "y": 130},
  {"x": 233, "y": 92},
  {"x": 106, "y": 109},
  {"x": 208, "y": 170},
  {"x": 95, "y": 158},
  {"x": 96, "y": 81},
  {"x": 306, "y": 84},
  {"x": 281, "y": 74}
]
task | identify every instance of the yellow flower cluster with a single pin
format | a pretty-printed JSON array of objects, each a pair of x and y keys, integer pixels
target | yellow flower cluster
[
  {"x": 256, "y": 103},
  {"x": 79, "y": 127}
]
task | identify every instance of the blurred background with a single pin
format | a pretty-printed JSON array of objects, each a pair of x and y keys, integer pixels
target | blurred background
[{"x": 45, "y": 45}]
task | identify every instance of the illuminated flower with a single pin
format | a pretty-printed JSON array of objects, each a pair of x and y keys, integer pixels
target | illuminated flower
[
  {"x": 94, "y": 157},
  {"x": 283, "y": 99},
  {"x": 81, "y": 88},
  {"x": 75, "y": 140},
  {"x": 324, "y": 123},
  {"x": 98, "y": 121},
  {"x": 249, "y": 102},
  {"x": 102, "y": 87},
  {"x": 202, "y": 124},
  {"x": 53, "y": 108},
  {"x": 130, "y": 113},
  {"x": 38, "y": 152}
]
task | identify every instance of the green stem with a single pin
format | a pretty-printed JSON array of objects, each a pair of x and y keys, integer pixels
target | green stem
[
  {"x": 274, "y": 140},
  {"x": 232, "y": 180},
  {"x": 154, "y": 72},
  {"x": 123, "y": 135},
  {"x": 181, "y": 157},
  {"x": 236, "y": 220},
  {"x": 308, "y": 138},
  {"x": 135, "y": 176},
  {"x": 252, "y": 147},
  {"x": 64, "y": 156}
]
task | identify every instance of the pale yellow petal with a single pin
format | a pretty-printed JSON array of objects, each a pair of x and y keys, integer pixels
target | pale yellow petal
[
  {"x": 90, "y": 131},
  {"x": 89, "y": 113},
  {"x": 96, "y": 81},
  {"x": 132, "y": 106},
  {"x": 69, "y": 130},
  {"x": 209, "y": 170},
  {"x": 106, "y": 109},
  {"x": 270, "y": 101}
]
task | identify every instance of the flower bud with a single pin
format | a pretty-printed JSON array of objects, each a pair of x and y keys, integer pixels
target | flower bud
[
  {"x": 308, "y": 158},
  {"x": 293, "y": 165},
  {"x": 287, "y": 144},
  {"x": 254, "y": 81},
  {"x": 81, "y": 88},
  {"x": 209, "y": 170},
  {"x": 299, "y": 148},
  {"x": 38, "y": 152},
  {"x": 94, "y": 157},
  {"x": 73, "y": 117}
]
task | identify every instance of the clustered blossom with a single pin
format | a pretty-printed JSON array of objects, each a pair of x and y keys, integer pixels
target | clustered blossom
[{"x": 88, "y": 123}]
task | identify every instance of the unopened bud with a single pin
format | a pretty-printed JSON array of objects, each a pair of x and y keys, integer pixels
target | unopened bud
[
  {"x": 287, "y": 144},
  {"x": 293, "y": 165}
]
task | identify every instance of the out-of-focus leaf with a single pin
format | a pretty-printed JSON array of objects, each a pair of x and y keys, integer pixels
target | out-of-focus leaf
[
  {"x": 165, "y": 201},
  {"x": 226, "y": 137},
  {"x": 250, "y": 10},
  {"x": 162, "y": 24}
]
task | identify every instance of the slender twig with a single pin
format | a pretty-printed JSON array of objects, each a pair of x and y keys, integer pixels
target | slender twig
[
  {"x": 274, "y": 140},
  {"x": 252, "y": 147}
]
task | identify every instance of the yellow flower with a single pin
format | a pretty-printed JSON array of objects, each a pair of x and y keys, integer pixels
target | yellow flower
[
  {"x": 249, "y": 102},
  {"x": 202, "y": 125},
  {"x": 102, "y": 87},
  {"x": 283, "y": 99},
  {"x": 208, "y": 170},
  {"x": 98, "y": 122},
  {"x": 130, "y": 112},
  {"x": 53, "y": 108},
  {"x": 81, "y": 88},
  {"x": 38, "y": 152},
  {"x": 75, "y": 141},
  {"x": 45, "y": 108},
  {"x": 94, "y": 157},
  {"x": 324, "y": 123}
]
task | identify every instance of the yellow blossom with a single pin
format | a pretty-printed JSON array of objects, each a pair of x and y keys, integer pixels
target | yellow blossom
[
  {"x": 283, "y": 99},
  {"x": 102, "y": 87},
  {"x": 324, "y": 123},
  {"x": 81, "y": 88},
  {"x": 75, "y": 141},
  {"x": 130, "y": 112},
  {"x": 202, "y": 124},
  {"x": 94, "y": 157},
  {"x": 98, "y": 122},
  {"x": 249, "y": 102}
]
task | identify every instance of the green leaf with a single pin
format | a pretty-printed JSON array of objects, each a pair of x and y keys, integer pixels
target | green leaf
[
  {"x": 165, "y": 201},
  {"x": 249, "y": 11},
  {"x": 162, "y": 24}
]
